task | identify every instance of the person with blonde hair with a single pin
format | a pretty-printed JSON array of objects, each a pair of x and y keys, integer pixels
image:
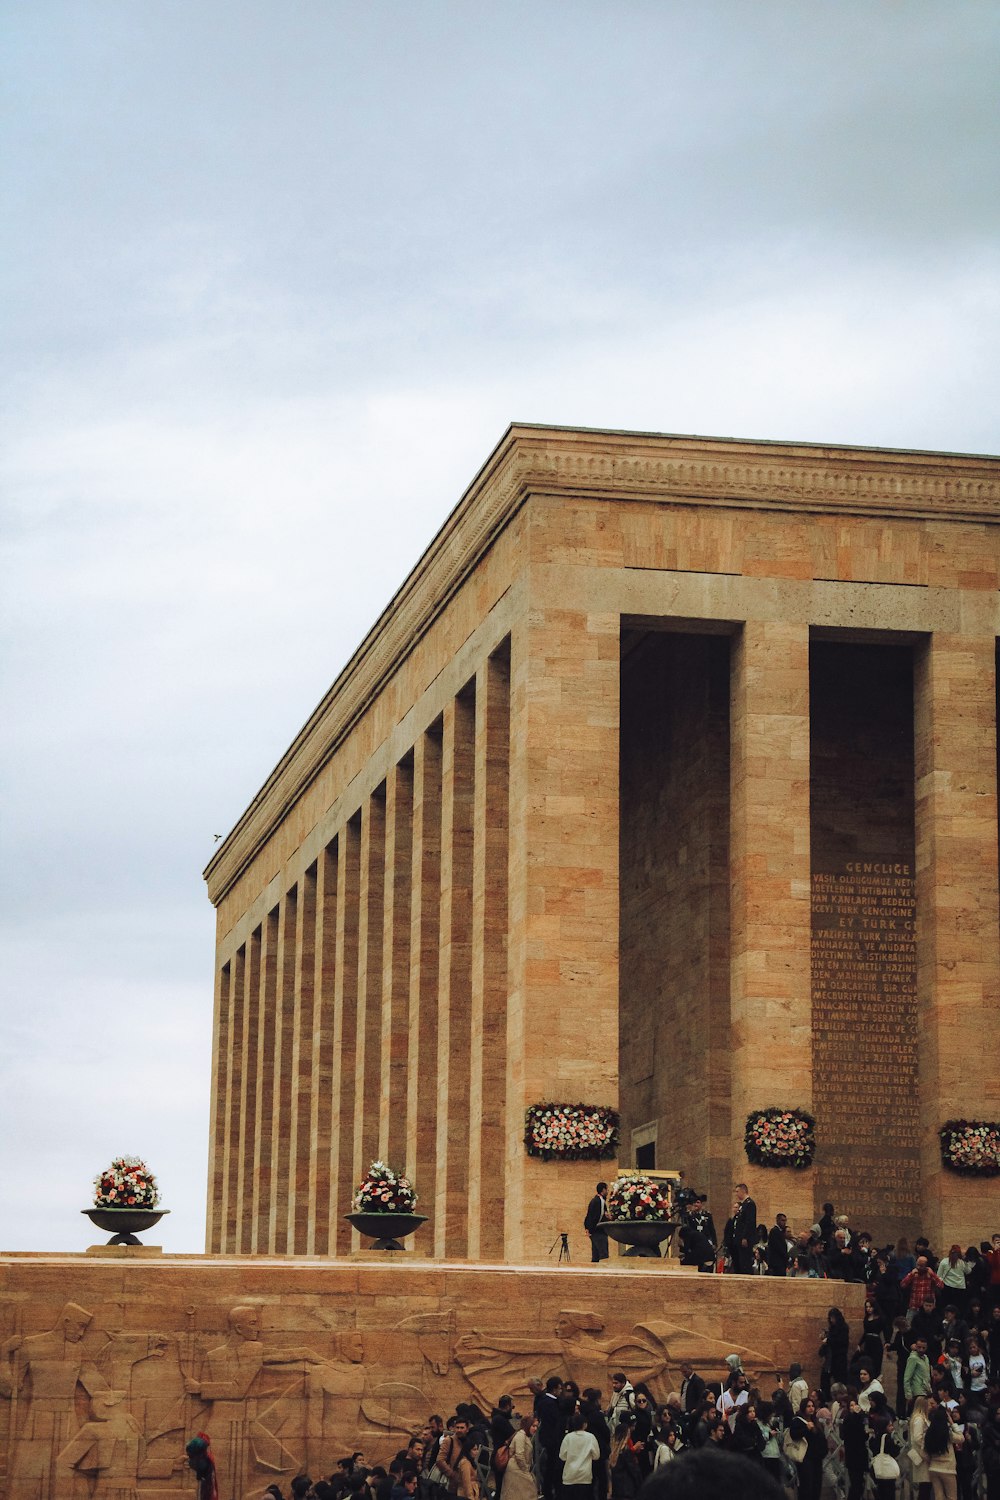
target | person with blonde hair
[{"x": 920, "y": 1475}]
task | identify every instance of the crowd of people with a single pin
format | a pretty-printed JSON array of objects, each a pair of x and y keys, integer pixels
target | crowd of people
[{"x": 910, "y": 1397}]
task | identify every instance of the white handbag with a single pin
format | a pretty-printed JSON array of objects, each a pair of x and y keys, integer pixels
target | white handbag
[{"x": 884, "y": 1466}]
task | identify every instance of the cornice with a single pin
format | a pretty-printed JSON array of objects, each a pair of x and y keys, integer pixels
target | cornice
[{"x": 601, "y": 465}]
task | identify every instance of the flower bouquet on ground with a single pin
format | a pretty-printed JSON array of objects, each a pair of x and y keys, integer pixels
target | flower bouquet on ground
[
  {"x": 971, "y": 1147},
  {"x": 780, "y": 1138},
  {"x": 127, "y": 1183},
  {"x": 633, "y": 1197},
  {"x": 383, "y": 1207},
  {"x": 384, "y": 1191},
  {"x": 574, "y": 1132}
]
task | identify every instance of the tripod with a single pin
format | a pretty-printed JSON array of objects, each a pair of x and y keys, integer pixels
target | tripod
[{"x": 562, "y": 1237}]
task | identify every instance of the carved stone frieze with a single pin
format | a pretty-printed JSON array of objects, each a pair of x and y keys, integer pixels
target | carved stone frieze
[{"x": 106, "y": 1369}]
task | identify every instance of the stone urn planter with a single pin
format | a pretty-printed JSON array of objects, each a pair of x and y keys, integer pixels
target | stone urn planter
[
  {"x": 124, "y": 1222},
  {"x": 387, "y": 1230},
  {"x": 643, "y": 1236}
]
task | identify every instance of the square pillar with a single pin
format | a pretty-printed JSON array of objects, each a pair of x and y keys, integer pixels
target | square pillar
[
  {"x": 958, "y": 942},
  {"x": 770, "y": 998},
  {"x": 562, "y": 1017}
]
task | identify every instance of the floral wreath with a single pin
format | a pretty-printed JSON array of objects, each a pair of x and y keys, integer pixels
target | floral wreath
[
  {"x": 971, "y": 1147},
  {"x": 384, "y": 1191},
  {"x": 127, "y": 1183},
  {"x": 633, "y": 1196},
  {"x": 572, "y": 1132},
  {"x": 780, "y": 1138}
]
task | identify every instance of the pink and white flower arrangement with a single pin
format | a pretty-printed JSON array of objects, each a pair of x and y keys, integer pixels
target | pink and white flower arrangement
[
  {"x": 971, "y": 1147},
  {"x": 780, "y": 1138},
  {"x": 127, "y": 1183},
  {"x": 633, "y": 1196},
  {"x": 573, "y": 1132},
  {"x": 384, "y": 1191}
]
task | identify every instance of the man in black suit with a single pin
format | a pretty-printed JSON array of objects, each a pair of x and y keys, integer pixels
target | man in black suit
[
  {"x": 745, "y": 1229},
  {"x": 777, "y": 1248},
  {"x": 597, "y": 1212},
  {"x": 692, "y": 1387}
]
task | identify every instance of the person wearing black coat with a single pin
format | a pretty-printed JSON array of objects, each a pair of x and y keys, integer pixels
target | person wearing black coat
[
  {"x": 854, "y": 1432},
  {"x": 833, "y": 1351},
  {"x": 744, "y": 1230},
  {"x": 777, "y": 1248}
]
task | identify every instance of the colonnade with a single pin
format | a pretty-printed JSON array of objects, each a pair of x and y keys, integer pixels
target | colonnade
[{"x": 364, "y": 1017}]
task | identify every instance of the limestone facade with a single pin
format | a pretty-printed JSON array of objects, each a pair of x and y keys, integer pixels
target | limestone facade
[{"x": 560, "y": 831}]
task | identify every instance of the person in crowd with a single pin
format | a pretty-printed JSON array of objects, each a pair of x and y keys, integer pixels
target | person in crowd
[
  {"x": 551, "y": 1431},
  {"x": 579, "y": 1455},
  {"x": 626, "y": 1480},
  {"x": 874, "y": 1335},
  {"x": 595, "y": 1217},
  {"x": 868, "y": 1386},
  {"x": 991, "y": 1454},
  {"x": 202, "y": 1464},
  {"x": 692, "y": 1387},
  {"x": 854, "y": 1437},
  {"x": 810, "y": 1467},
  {"x": 953, "y": 1271},
  {"x": 519, "y": 1475},
  {"x": 467, "y": 1469},
  {"x": 777, "y": 1247},
  {"x": 735, "y": 1394},
  {"x": 920, "y": 1475},
  {"x": 747, "y": 1437},
  {"x": 711, "y": 1474},
  {"x": 919, "y": 1284},
  {"x": 826, "y": 1225},
  {"x": 744, "y": 1230},
  {"x": 882, "y": 1445},
  {"x": 926, "y": 1324},
  {"x": 917, "y": 1376},
  {"x": 833, "y": 1350},
  {"x": 953, "y": 1325},
  {"x": 940, "y": 1442},
  {"x": 622, "y": 1400}
]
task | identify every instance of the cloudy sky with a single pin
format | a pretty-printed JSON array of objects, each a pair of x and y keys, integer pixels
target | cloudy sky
[{"x": 276, "y": 279}]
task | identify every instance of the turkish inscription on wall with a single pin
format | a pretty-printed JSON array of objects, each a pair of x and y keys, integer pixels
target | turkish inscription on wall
[{"x": 864, "y": 986}]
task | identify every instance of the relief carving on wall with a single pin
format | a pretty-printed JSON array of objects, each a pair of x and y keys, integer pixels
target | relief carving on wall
[{"x": 98, "y": 1411}]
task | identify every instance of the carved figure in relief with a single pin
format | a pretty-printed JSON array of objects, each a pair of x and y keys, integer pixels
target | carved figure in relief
[
  {"x": 653, "y": 1352},
  {"x": 245, "y": 1417},
  {"x": 341, "y": 1408},
  {"x": 109, "y": 1448},
  {"x": 42, "y": 1375}
]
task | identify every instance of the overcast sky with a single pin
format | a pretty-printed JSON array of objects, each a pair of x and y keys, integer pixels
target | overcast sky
[{"x": 276, "y": 279}]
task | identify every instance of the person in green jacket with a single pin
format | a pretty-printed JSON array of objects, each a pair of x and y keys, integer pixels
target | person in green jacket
[{"x": 917, "y": 1376}]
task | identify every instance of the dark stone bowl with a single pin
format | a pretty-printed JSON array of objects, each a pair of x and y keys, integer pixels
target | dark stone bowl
[
  {"x": 386, "y": 1229},
  {"x": 124, "y": 1222},
  {"x": 642, "y": 1235}
]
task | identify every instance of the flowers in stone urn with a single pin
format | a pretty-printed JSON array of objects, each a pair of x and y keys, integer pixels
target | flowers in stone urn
[
  {"x": 384, "y": 1191},
  {"x": 780, "y": 1138},
  {"x": 127, "y": 1183},
  {"x": 634, "y": 1197},
  {"x": 971, "y": 1147}
]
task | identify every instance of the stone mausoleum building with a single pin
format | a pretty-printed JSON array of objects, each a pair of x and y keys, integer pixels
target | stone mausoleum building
[{"x": 668, "y": 782}]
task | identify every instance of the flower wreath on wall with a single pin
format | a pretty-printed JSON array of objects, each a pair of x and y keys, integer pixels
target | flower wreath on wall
[
  {"x": 780, "y": 1138},
  {"x": 635, "y": 1197},
  {"x": 971, "y": 1147},
  {"x": 571, "y": 1132},
  {"x": 127, "y": 1183}
]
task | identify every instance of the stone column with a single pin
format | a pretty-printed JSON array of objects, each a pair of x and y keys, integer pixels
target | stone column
[
  {"x": 260, "y": 1208},
  {"x": 425, "y": 927},
  {"x": 234, "y": 1084},
  {"x": 396, "y": 964},
  {"x": 958, "y": 943},
  {"x": 369, "y": 1027},
  {"x": 344, "y": 1029},
  {"x": 301, "y": 1067},
  {"x": 488, "y": 1079},
  {"x": 451, "y": 1197},
  {"x": 217, "y": 1144},
  {"x": 281, "y": 1109},
  {"x": 770, "y": 995},
  {"x": 321, "y": 1082},
  {"x": 243, "y": 1224},
  {"x": 562, "y": 1017}
]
